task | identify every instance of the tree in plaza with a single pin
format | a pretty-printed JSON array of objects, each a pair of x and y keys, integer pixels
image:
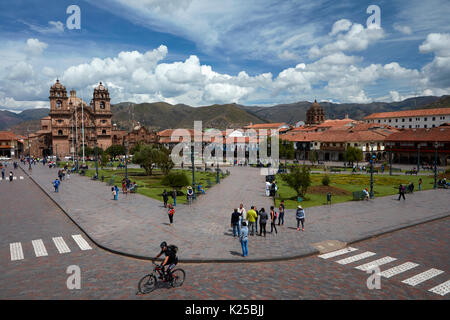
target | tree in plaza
[
  {"x": 313, "y": 156},
  {"x": 165, "y": 162},
  {"x": 136, "y": 147},
  {"x": 286, "y": 149},
  {"x": 115, "y": 150},
  {"x": 298, "y": 179},
  {"x": 353, "y": 154},
  {"x": 176, "y": 180},
  {"x": 87, "y": 151},
  {"x": 147, "y": 157}
]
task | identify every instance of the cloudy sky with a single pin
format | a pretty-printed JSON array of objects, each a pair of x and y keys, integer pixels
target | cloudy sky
[{"x": 200, "y": 52}]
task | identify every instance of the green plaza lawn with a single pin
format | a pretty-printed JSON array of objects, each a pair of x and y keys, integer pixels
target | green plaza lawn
[
  {"x": 342, "y": 186},
  {"x": 151, "y": 186}
]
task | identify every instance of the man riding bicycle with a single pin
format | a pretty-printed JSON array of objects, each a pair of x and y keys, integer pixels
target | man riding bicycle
[{"x": 170, "y": 261}]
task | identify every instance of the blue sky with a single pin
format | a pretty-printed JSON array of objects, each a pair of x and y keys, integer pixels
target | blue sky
[{"x": 198, "y": 52}]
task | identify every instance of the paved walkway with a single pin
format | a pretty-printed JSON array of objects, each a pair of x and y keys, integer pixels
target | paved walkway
[{"x": 135, "y": 225}]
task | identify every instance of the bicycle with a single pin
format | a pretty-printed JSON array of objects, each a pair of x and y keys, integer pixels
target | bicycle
[{"x": 149, "y": 282}]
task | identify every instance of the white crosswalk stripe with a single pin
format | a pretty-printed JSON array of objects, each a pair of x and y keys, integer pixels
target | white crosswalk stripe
[
  {"x": 398, "y": 269},
  {"x": 39, "y": 248},
  {"x": 81, "y": 242},
  {"x": 375, "y": 263},
  {"x": 422, "y": 277},
  {"x": 441, "y": 289},
  {"x": 21, "y": 177},
  {"x": 16, "y": 251},
  {"x": 358, "y": 257},
  {"x": 61, "y": 245},
  {"x": 337, "y": 253}
]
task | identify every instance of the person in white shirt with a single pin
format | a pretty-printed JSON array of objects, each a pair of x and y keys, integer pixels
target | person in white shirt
[{"x": 243, "y": 213}]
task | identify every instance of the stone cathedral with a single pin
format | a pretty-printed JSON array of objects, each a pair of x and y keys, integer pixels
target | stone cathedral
[{"x": 61, "y": 132}]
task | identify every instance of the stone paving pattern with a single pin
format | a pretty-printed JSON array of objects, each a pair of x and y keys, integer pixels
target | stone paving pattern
[{"x": 135, "y": 224}]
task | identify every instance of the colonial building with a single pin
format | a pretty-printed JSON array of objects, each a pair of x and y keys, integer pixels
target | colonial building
[
  {"x": 140, "y": 134},
  {"x": 11, "y": 146},
  {"x": 411, "y": 119},
  {"x": 315, "y": 114},
  {"x": 71, "y": 119}
]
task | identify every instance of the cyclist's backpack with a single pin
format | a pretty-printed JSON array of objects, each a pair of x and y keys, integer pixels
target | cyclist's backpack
[{"x": 174, "y": 248}]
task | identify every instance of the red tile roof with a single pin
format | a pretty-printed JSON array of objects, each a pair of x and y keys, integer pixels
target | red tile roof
[
  {"x": 439, "y": 134},
  {"x": 7, "y": 136},
  {"x": 410, "y": 113},
  {"x": 266, "y": 125}
]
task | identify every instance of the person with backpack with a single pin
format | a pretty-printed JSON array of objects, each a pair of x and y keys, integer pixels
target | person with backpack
[
  {"x": 401, "y": 192},
  {"x": 170, "y": 261},
  {"x": 243, "y": 213},
  {"x": 281, "y": 218},
  {"x": 171, "y": 212},
  {"x": 56, "y": 185},
  {"x": 244, "y": 239},
  {"x": 235, "y": 219},
  {"x": 300, "y": 215},
  {"x": 273, "y": 218},
  {"x": 263, "y": 217},
  {"x": 165, "y": 198}
]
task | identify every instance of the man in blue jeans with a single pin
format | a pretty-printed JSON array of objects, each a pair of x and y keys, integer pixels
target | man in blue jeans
[
  {"x": 235, "y": 218},
  {"x": 244, "y": 239}
]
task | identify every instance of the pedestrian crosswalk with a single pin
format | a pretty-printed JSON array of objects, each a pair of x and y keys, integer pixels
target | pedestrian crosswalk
[
  {"x": 40, "y": 249},
  {"x": 395, "y": 271},
  {"x": 14, "y": 178}
]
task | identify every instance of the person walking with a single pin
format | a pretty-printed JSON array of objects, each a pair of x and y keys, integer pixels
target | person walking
[
  {"x": 171, "y": 213},
  {"x": 420, "y": 184},
  {"x": 165, "y": 198},
  {"x": 281, "y": 209},
  {"x": 11, "y": 176},
  {"x": 235, "y": 219},
  {"x": 174, "y": 197},
  {"x": 3, "y": 173},
  {"x": 113, "y": 191},
  {"x": 300, "y": 215},
  {"x": 263, "y": 217},
  {"x": 401, "y": 192},
  {"x": 244, "y": 239},
  {"x": 116, "y": 188},
  {"x": 273, "y": 218},
  {"x": 56, "y": 185},
  {"x": 251, "y": 218}
]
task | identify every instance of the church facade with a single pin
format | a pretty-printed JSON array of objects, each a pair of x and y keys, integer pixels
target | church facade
[{"x": 71, "y": 119}]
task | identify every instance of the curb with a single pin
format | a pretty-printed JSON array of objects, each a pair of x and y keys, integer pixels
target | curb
[{"x": 200, "y": 261}]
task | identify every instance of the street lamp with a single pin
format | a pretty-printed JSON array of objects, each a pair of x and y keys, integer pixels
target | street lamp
[
  {"x": 390, "y": 158},
  {"x": 125, "y": 145},
  {"x": 436, "y": 145},
  {"x": 418, "y": 157},
  {"x": 372, "y": 157},
  {"x": 193, "y": 171},
  {"x": 304, "y": 144},
  {"x": 285, "y": 155},
  {"x": 96, "y": 161},
  {"x": 217, "y": 175},
  {"x": 29, "y": 151}
]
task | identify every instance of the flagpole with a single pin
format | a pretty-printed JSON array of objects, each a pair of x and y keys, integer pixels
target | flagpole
[
  {"x": 82, "y": 123},
  {"x": 76, "y": 136}
]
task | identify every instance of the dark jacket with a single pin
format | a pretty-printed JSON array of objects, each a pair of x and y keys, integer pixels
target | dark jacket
[
  {"x": 235, "y": 216},
  {"x": 263, "y": 217}
]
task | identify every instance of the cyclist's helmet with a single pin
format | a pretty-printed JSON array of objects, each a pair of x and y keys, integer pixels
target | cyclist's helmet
[{"x": 163, "y": 244}]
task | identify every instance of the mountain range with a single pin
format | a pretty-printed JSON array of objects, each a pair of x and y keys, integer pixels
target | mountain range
[{"x": 161, "y": 115}]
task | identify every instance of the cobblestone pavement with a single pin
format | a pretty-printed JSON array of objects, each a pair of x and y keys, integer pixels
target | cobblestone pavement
[
  {"x": 135, "y": 223},
  {"x": 108, "y": 276}
]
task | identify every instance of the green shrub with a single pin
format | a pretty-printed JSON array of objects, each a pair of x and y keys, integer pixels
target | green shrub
[
  {"x": 326, "y": 180},
  {"x": 176, "y": 180}
]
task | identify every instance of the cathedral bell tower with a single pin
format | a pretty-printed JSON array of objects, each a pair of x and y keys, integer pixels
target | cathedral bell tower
[{"x": 58, "y": 97}]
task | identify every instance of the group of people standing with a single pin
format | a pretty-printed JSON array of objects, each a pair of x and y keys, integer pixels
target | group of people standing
[
  {"x": 245, "y": 223},
  {"x": 3, "y": 167}
]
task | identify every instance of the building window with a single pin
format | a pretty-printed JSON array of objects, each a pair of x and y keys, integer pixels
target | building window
[
  {"x": 396, "y": 120},
  {"x": 389, "y": 120},
  {"x": 403, "y": 120},
  {"x": 103, "y": 121},
  {"x": 424, "y": 125},
  {"x": 425, "y": 119},
  {"x": 60, "y": 132},
  {"x": 58, "y": 104},
  {"x": 433, "y": 126},
  {"x": 103, "y": 131},
  {"x": 410, "y": 126},
  {"x": 410, "y": 119},
  {"x": 102, "y": 105},
  {"x": 379, "y": 121},
  {"x": 434, "y": 119},
  {"x": 403, "y": 127}
]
